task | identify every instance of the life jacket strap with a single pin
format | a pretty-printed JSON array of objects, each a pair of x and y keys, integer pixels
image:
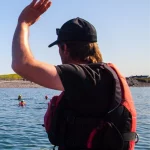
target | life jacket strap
[
  {"x": 54, "y": 147},
  {"x": 130, "y": 136}
]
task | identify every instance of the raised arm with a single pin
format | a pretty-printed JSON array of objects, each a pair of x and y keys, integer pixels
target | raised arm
[{"x": 23, "y": 62}]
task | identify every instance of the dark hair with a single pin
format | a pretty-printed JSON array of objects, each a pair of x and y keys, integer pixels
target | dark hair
[{"x": 84, "y": 51}]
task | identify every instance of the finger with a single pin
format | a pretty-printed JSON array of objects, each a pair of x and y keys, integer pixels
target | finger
[
  {"x": 43, "y": 4},
  {"x": 39, "y": 4},
  {"x": 32, "y": 4},
  {"x": 45, "y": 7}
]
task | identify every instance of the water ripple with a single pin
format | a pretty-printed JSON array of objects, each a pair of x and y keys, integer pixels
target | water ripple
[{"x": 21, "y": 127}]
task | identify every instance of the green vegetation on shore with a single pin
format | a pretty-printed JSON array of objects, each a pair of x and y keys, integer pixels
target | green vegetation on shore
[
  {"x": 17, "y": 77},
  {"x": 144, "y": 79},
  {"x": 10, "y": 77}
]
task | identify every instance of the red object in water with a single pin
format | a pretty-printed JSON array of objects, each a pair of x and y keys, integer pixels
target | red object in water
[{"x": 22, "y": 103}]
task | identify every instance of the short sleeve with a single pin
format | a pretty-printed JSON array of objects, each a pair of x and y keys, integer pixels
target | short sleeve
[{"x": 75, "y": 77}]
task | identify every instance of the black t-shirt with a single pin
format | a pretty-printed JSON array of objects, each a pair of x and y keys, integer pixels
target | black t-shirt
[
  {"x": 88, "y": 87},
  {"x": 89, "y": 91}
]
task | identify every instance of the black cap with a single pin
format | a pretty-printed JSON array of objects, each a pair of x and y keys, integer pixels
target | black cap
[{"x": 76, "y": 29}]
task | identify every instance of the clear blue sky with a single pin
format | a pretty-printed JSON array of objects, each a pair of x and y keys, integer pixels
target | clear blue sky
[{"x": 123, "y": 28}]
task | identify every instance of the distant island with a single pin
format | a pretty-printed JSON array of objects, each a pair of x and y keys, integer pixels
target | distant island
[
  {"x": 16, "y": 81},
  {"x": 138, "y": 80}
]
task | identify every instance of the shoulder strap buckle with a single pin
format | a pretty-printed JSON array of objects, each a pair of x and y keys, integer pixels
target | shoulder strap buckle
[{"x": 131, "y": 136}]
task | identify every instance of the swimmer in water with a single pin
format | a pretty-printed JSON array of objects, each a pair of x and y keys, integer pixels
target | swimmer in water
[
  {"x": 19, "y": 97},
  {"x": 22, "y": 103}
]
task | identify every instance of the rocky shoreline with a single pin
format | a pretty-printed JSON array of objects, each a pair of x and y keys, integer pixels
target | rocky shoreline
[
  {"x": 18, "y": 84},
  {"x": 135, "y": 83},
  {"x": 27, "y": 84}
]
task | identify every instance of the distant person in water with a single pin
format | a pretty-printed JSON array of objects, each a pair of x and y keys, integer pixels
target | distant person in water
[
  {"x": 19, "y": 97},
  {"x": 46, "y": 97},
  {"x": 22, "y": 103}
]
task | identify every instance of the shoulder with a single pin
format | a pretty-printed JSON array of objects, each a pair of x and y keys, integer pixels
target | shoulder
[
  {"x": 88, "y": 72},
  {"x": 77, "y": 69}
]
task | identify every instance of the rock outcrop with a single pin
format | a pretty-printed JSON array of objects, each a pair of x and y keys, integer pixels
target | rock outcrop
[{"x": 137, "y": 83}]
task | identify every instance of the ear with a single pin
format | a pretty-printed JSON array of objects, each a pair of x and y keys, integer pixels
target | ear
[{"x": 65, "y": 49}]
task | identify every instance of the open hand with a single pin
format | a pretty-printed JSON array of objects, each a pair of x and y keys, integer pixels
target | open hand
[{"x": 33, "y": 11}]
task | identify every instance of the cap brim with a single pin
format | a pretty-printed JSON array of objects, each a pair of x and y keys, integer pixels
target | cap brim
[{"x": 54, "y": 43}]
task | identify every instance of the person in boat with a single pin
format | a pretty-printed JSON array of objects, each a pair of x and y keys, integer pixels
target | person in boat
[
  {"x": 95, "y": 109},
  {"x": 19, "y": 97},
  {"x": 22, "y": 103}
]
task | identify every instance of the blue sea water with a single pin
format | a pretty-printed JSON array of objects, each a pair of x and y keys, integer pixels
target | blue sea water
[{"x": 21, "y": 127}]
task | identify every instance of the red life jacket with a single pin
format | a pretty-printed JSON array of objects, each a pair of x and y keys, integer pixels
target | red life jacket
[
  {"x": 22, "y": 103},
  {"x": 52, "y": 105},
  {"x": 125, "y": 99}
]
